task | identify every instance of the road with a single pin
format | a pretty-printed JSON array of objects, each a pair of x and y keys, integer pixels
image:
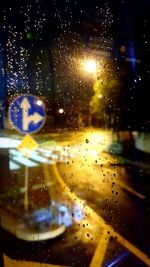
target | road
[{"x": 105, "y": 204}]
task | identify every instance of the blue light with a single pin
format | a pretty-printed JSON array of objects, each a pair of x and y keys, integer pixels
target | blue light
[{"x": 118, "y": 259}]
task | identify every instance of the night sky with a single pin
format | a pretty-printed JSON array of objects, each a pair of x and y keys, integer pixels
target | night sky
[
  {"x": 130, "y": 17},
  {"x": 126, "y": 22}
]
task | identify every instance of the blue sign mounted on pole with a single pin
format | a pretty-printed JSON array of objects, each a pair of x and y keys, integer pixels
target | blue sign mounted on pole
[{"x": 27, "y": 113}]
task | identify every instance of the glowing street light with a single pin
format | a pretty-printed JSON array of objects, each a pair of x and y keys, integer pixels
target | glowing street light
[
  {"x": 90, "y": 66},
  {"x": 39, "y": 102},
  {"x": 61, "y": 111}
]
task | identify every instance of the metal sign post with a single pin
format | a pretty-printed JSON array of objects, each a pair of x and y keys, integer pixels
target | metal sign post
[
  {"x": 1, "y": 249},
  {"x": 26, "y": 198}
]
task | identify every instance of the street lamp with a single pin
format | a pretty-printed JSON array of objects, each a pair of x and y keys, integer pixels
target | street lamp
[
  {"x": 90, "y": 66},
  {"x": 61, "y": 111}
]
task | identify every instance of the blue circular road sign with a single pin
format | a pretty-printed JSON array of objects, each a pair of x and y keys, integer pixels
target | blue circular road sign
[{"x": 27, "y": 113}]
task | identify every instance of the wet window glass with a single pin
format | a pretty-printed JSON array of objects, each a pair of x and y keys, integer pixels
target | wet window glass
[{"x": 74, "y": 133}]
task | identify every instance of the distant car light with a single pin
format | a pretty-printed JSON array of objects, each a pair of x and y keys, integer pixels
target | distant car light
[
  {"x": 61, "y": 110},
  {"x": 39, "y": 102}
]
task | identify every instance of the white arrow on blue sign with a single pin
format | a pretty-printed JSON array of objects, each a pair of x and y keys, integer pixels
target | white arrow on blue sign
[{"x": 27, "y": 113}]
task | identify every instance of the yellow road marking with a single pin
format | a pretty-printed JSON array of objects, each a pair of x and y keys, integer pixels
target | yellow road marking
[
  {"x": 46, "y": 172},
  {"x": 74, "y": 198},
  {"x": 39, "y": 186},
  {"x": 100, "y": 221},
  {"x": 49, "y": 179},
  {"x": 128, "y": 188},
  {"x": 101, "y": 249},
  {"x": 138, "y": 253}
]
